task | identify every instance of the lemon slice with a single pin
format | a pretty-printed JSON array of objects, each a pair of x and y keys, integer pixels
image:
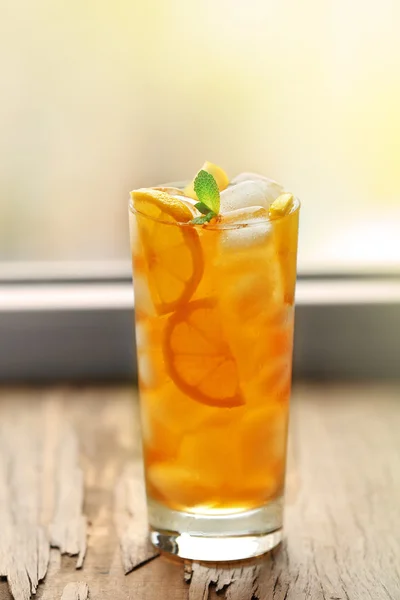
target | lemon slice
[
  {"x": 281, "y": 206},
  {"x": 286, "y": 235}
]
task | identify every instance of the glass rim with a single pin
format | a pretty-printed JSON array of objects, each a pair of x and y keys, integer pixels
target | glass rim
[{"x": 217, "y": 226}]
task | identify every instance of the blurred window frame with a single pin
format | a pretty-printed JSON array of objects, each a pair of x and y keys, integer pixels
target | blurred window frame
[{"x": 75, "y": 322}]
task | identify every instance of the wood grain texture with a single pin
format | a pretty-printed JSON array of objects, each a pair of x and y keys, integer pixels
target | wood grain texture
[
  {"x": 68, "y": 527},
  {"x": 105, "y": 420},
  {"x": 24, "y": 547},
  {"x": 76, "y": 591},
  {"x": 342, "y": 512},
  {"x": 130, "y": 517},
  {"x": 38, "y": 469},
  {"x": 342, "y": 522},
  {"x": 239, "y": 581}
]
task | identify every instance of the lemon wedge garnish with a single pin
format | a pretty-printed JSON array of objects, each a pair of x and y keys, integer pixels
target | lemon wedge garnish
[{"x": 281, "y": 206}]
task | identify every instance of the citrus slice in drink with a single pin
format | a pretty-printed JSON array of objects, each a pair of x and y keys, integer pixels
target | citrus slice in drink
[
  {"x": 197, "y": 357},
  {"x": 171, "y": 248},
  {"x": 219, "y": 175},
  {"x": 286, "y": 233},
  {"x": 281, "y": 206}
]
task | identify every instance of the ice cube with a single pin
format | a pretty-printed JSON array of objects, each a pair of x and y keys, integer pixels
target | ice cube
[
  {"x": 246, "y": 237},
  {"x": 274, "y": 188},
  {"x": 245, "y": 227},
  {"x": 143, "y": 300},
  {"x": 243, "y": 216},
  {"x": 248, "y": 193},
  {"x": 142, "y": 336},
  {"x": 147, "y": 371}
]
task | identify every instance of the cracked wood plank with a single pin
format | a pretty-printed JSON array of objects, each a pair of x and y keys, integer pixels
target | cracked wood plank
[
  {"x": 239, "y": 582},
  {"x": 38, "y": 471},
  {"x": 76, "y": 591},
  {"x": 342, "y": 516},
  {"x": 68, "y": 527},
  {"x": 130, "y": 516},
  {"x": 106, "y": 421},
  {"x": 24, "y": 547},
  {"x": 342, "y": 520}
]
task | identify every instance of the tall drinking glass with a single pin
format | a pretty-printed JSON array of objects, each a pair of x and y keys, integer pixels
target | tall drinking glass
[{"x": 214, "y": 310}]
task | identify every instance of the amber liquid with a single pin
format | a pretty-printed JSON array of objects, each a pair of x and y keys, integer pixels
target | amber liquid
[{"x": 214, "y": 364}]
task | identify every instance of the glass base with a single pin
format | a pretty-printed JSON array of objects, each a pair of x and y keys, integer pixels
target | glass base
[{"x": 216, "y": 537}]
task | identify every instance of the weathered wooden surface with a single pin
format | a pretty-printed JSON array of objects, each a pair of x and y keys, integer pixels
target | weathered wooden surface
[
  {"x": 342, "y": 513},
  {"x": 76, "y": 591},
  {"x": 68, "y": 528},
  {"x": 130, "y": 518},
  {"x": 40, "y": 479},
  {"x": 239, "y": 581}
]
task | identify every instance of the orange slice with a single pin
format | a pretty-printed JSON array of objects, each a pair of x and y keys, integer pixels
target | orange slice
[
  {"x": 197, "y": 357},
  {"x": 171, "y": 248}
]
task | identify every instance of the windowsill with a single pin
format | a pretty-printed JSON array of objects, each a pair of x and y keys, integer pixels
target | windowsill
[
  {"x": 345, "y": 329},
  {"x": 120, "y": 270},
  {"x": 119, "y": 296}
]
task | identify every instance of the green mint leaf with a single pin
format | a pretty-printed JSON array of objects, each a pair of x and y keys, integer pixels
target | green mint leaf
[
  {"x": 207, "y": 191},
  {"x": 204, "y": 219},
  {"x": 201, "y": 207}
]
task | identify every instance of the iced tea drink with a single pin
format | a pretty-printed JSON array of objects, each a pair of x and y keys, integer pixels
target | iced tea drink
[{"x": 214, "y": 296}]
